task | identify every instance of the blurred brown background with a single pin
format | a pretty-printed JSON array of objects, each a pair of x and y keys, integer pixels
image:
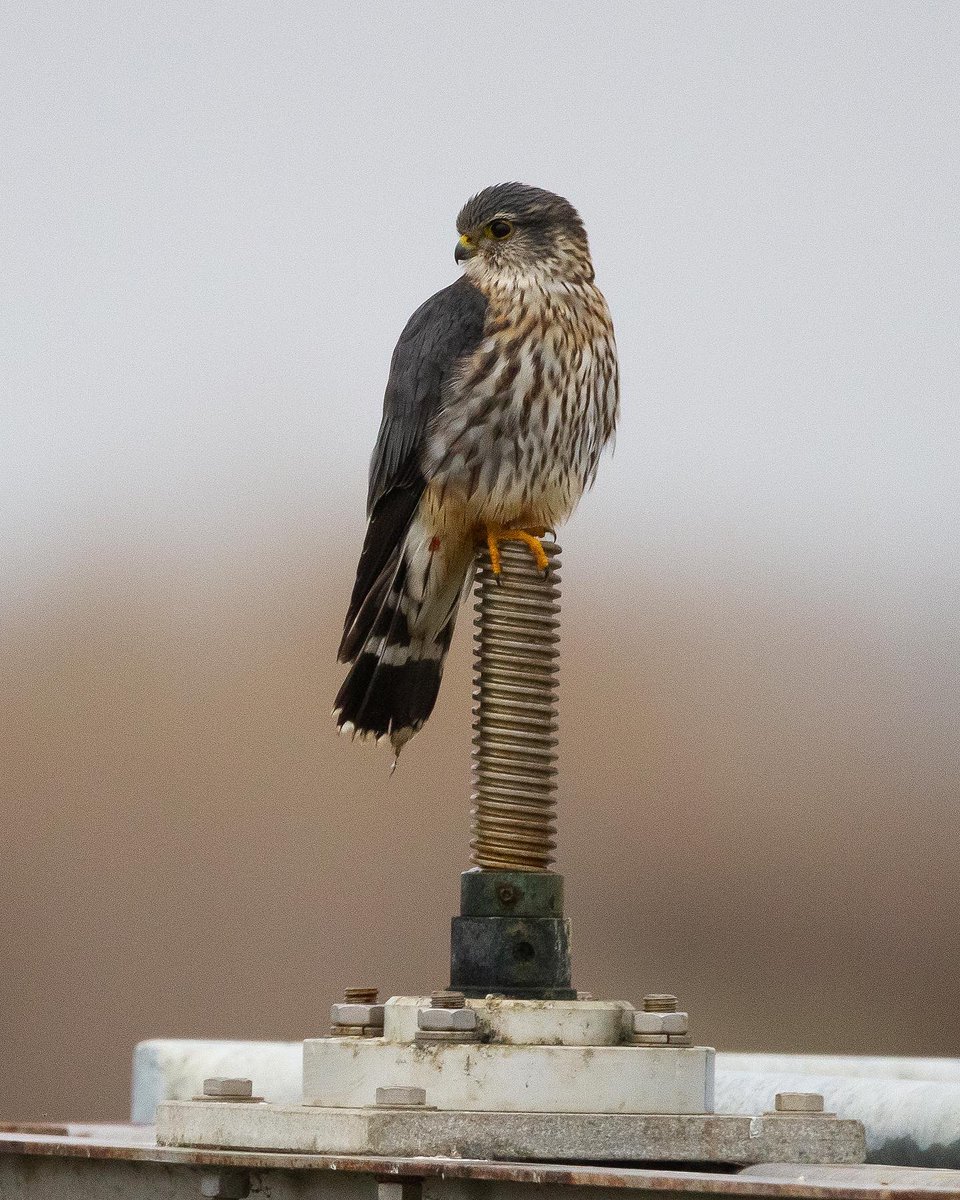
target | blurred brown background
[{"x": 217, "y": 222}]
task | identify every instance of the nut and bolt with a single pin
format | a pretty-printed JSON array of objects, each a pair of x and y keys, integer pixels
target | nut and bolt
[
  {"x": 447, "y": 999},
  {"x": 659, "y": 1023},
  {"x": 447, "y": 1019},
  {"x": 799, "y": 1102},
  {"x": 401, "y": 1097},
  {"x": 359, "y": 1016},
  {"x": 356, "y": 1016}
]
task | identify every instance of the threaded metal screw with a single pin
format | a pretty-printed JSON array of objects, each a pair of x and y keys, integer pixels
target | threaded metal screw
[
  {"x": 447, "y": 999},
  {"x": 660, "y": 1002},
  {"x": 361, "y": 995},
  {"x": 515, "y": 710}
]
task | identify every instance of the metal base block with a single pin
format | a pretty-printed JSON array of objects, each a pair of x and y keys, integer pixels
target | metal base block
[
  {"x": 523, "y": 1056},
  {"x": 346, "y": 1073},
  {"x": 512, "y": 1080},
  {"x": 537, "y": 1137}
]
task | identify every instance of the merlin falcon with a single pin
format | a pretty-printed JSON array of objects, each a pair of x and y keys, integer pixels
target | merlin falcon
[{"x": 503, "y": 391}]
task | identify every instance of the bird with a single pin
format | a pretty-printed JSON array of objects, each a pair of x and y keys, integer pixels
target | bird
[{"x": 502, "y": 393}]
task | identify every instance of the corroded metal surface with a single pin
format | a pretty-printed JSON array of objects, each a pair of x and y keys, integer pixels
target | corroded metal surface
[
  {"x": 133, "y": 1145},
  {"x": 515, "y": 712},
  {"x": 523, "y": 1136}
]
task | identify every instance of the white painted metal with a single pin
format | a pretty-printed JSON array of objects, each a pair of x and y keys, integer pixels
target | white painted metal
[
  {"x": 175, "y": 1068},
  {"x": 525, "y": 1022},
  {"x": 906, "y": 1120},
  {"x": 346, "y": 1072}
]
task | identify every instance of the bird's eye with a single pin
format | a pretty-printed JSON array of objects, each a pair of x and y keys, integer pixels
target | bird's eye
[{"x": 500, "y": 230}]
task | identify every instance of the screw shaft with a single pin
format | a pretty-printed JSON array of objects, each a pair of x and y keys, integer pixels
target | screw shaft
[
  {"x": 515, "y": 710},
  {"x": 361, "y": 995}
]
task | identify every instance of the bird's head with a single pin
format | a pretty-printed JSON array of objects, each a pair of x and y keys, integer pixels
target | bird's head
[{"x": 515, "y": 229}]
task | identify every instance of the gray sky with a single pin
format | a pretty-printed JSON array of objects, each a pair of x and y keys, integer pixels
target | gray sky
[{"x": 218, "y": 216}]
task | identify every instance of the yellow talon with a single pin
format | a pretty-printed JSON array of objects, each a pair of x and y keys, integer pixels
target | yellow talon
[
  {"x": 495, "y": 536},
  {"x": 495, "y": 564}
]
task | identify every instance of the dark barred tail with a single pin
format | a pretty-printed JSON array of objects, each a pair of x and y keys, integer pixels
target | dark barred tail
[
  {"x": 395, "y": 671},
  {"x": 383, "y": 696}
]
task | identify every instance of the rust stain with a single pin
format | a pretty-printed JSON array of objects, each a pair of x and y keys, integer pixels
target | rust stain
[
  {"x": 44, "y": 1127},
  {"x": 85, "y": 1143}
]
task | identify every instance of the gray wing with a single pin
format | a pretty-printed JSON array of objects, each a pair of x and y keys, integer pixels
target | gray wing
[
  {"x": 441, "y": 332},
  {"x": 445, "y": 328}
]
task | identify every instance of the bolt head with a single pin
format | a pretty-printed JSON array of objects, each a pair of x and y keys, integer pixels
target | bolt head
[
  {"x": 401, "y": 1097},
  {"x": 799, "y": 1102},
  {"x": 229, "y": 1088}
]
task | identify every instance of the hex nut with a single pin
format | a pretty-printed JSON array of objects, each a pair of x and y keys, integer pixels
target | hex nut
[
  {"x": 229, "y": 1089},
  {"x": 447, "y": 1020},
  {"x": 357, "y": 1014},
  {"x": 799, "y": 1102},
  {"x": 401, "y": 1097},
  {"x": 661, "y": 1022},
  {"x": 648, "y": 1022},
  {"x": 676, "y": 1022}
]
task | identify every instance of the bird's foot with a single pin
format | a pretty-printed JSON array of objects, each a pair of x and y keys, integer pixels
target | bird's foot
[{"x": 497, "y": 534}]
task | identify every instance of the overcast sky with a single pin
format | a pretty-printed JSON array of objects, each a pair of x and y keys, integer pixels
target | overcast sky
[{"x": 218, "y": 216}]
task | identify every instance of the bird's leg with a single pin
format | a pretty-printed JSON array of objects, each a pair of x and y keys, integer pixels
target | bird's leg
[{"x": 497, "y": 534}]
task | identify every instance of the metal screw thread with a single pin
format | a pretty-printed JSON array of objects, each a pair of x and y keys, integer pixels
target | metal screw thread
[
  {"x": 447, "y": 999},
  {"x": 361, "y": 995},
  {"x": 515, "y": 710},
  {"x": 660, "y": 1002}
]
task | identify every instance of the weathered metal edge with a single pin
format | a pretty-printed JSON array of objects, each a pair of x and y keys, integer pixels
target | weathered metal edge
[{"x": 138, "y": 1149}]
